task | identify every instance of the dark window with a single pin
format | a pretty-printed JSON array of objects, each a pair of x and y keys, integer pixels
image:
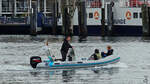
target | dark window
[
  {"x": 135, "y": 15},
  {"x": 90, "y": 15},
  {"x": 140, "y": 15},
  {"x": 7, "y": 5}
]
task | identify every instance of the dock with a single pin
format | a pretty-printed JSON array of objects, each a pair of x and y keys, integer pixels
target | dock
[{"x": 75, "y": 17}]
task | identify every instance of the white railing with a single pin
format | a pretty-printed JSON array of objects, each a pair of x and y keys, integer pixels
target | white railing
[
  {"x": 22, "y": 9},
  {"x": 137, "y": 3},
  {"x": 93, "y": 3}
]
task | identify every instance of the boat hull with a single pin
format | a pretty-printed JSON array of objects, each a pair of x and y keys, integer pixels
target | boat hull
[{"x": 79, "y": 64}]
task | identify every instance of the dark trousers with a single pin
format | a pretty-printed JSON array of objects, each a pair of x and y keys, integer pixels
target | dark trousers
[
  {"x": 63, "y": 55},
  {"x": 69, "y": 58},
  {"x": 103, "y": 55}
]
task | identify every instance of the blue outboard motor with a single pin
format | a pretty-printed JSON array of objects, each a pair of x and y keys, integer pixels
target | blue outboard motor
[{"x": 34, "y": 61}]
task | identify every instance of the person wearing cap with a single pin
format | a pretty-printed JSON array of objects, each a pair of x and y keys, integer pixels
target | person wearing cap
[
  {"x": 109, "y": 51},
  {"x": 96, "y": 55}
]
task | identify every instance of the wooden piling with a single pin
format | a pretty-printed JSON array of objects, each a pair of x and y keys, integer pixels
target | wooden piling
[
  {"x": 149, "y": 19},
  {"x": 110, "y": 19},
  {"x": 54, "y": 28},
  {"x": 65, "y": 19},
  {"x": 63, "y": 15},
  {"x": 103, "y": 22},
  {"x": 82, "y": 20},
  {"x": 145, "y": 20},
  {"x": 33, "y": 19}
]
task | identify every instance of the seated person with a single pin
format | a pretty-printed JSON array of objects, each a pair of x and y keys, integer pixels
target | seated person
[
  {"x": 109, "y": 52},
  {"x": 96, "y": 55}
]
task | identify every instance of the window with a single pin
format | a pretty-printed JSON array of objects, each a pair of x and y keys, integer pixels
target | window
[
  {"x": 7, "y": 5},
  {"x": 140, "y": 15},
  {"x": 21, "y": 5},
  {"x": 135, "y": 15},
  {"x": 90, "y": 15}
]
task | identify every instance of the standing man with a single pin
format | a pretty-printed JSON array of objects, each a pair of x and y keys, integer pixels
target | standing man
[{"x": 65, "y": 47}]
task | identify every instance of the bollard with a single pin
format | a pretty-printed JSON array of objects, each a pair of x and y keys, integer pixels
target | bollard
[
  {"x": 103, "y": 23},
  {"x": 145, "y": 20},
  {"x": 110, "y": 19},
  {"x": 82, "y": 20},
  {"x": 33, "y": 20}
]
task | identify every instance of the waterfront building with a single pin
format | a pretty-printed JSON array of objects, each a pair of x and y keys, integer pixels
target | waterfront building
[{"x": 22, "y": 7}]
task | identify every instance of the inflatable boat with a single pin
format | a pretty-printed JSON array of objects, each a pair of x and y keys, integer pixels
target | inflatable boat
[{"x": 36, "y": 62}]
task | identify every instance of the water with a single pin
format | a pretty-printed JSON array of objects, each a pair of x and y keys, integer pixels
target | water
[{"x": 133, "y": 68}]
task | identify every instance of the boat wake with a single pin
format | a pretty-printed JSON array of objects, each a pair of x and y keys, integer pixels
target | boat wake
[
  {"x": 117, "y": 65},
  {"x": 29, "y": 68},
  {"x": 15, "y": 68}
]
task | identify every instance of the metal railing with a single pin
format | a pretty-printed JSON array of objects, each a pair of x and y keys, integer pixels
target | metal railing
[
  {"x": 10, "y": 20},
  {"x": 22, "y": 20},
  {"x": 7, "y": 9},
  {"x": 22, "y": 9}
]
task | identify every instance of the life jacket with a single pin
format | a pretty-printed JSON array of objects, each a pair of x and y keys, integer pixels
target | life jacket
[{"x": 97, "y": 56}]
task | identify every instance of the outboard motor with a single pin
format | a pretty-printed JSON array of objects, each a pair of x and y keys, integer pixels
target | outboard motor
[{"x": 35, "y": 60}]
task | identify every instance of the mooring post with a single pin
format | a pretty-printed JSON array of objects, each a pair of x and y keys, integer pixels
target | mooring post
[
  {"x": 0, "y": 7},
  {"x": 66, "y": 22},
  {"x": 82, "y": 20},
  {"x": 103, "y": 22},
  {"x": 54, "y": 28},
  {"x": 145, "y": 20},
  {"x": 110, "y": 18},
  {"x": 64, "y": 10},
  {"x": 103, "y": 19},
  {"x": 149, "y": 20},
  {"x": 33, "y": 19}
]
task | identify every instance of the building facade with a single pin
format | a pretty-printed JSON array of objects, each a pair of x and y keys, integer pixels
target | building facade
[{"x": 15, "y": 8}]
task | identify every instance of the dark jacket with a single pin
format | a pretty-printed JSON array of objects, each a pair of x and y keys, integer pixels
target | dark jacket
[
  {"x": 110, "y": 52},
  {"x": 65, "y": 46}
]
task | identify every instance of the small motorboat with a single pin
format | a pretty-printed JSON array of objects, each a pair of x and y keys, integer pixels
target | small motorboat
[{"x": 36, "y": 62}]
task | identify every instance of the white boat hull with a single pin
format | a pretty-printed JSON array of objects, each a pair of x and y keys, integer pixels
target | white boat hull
[{"x": 78, "y": 64}]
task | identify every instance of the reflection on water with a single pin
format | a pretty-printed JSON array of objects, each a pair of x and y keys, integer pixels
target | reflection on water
[
  {"x": 67, "y": 75},
  {"x": 75, "y": 75},
  {"x": 110, "y": 71}
]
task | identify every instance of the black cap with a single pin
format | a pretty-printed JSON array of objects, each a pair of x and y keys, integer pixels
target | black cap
[{"x": 96, "y": 51}]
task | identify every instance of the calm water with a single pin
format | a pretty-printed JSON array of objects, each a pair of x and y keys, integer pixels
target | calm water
[{"x": 133, "y": 68}]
